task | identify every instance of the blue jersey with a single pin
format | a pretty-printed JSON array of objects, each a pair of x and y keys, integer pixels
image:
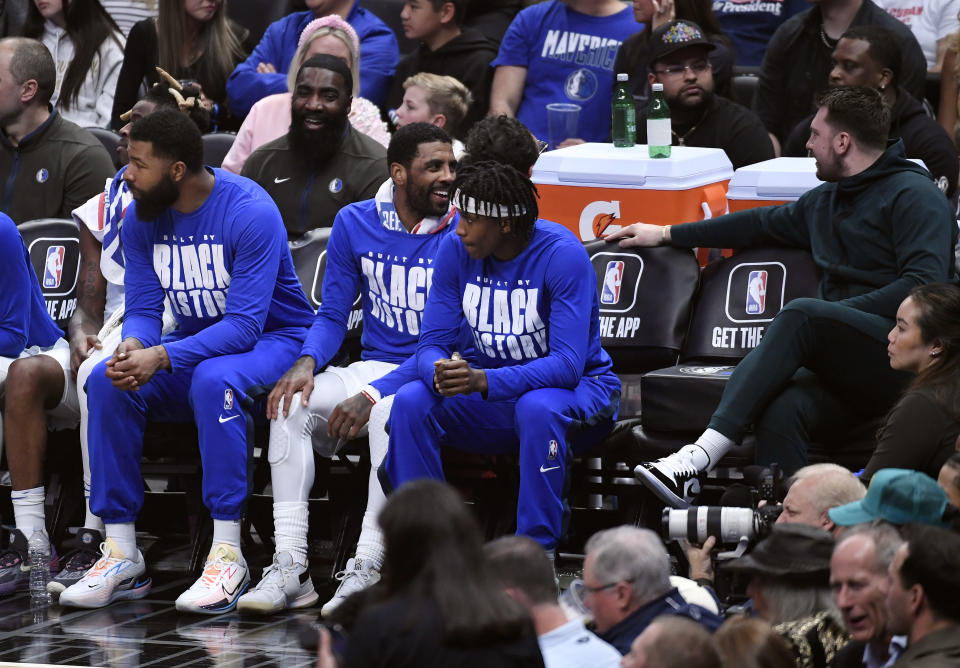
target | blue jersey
[
  {"x": 226, "y": 269},
  {"x": 569, "y": 58},
  {"x": 534, "y": 320},
  {"x": 392, "y": 270},
  {"x": 24, "y": 320},
  {"x": 751, "y": 23}
]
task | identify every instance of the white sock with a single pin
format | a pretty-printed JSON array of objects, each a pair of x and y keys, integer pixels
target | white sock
[
  {"x": 370, "y": 546},
  {"x": 124, "y": 536},
  {"x": 28, "y": 510},
  {"x": 290, "y": 523},
  {"x": 91, "y": 521},
  {"x": 708, "y": 449},
  {"x": 227, "y": 532}
]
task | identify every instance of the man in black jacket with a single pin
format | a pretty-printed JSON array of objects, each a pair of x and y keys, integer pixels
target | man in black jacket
[{"x": 870, "y": 56}]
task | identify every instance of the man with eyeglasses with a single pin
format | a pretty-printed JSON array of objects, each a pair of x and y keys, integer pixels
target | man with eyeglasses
[
  {"x": 679, "y": 60},
  {"x": 626, "y": 585}
]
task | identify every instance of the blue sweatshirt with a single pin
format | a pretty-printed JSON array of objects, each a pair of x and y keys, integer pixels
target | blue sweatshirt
[
  {"x": 225, "y": 267},
  {"x": 379, "y": 55},
  {"x": 24, "y": 320},
  {"x": 392, "y": 270},
  {"x": 534, "y": 319}
]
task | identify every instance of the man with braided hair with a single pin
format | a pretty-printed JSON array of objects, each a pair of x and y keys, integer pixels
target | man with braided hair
[{"x": 536, "y": 380}]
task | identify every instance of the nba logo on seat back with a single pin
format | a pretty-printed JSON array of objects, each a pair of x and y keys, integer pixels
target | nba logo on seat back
[
  {"x": 756, "y": 301},
  {"x": 612, "y": 280},
  {"x": 53, "y": 268}
]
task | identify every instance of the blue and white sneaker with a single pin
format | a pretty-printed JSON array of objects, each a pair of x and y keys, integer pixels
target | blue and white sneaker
[
  {"x": 114, "y": 577},
  {"x": 225, "y": 578}
]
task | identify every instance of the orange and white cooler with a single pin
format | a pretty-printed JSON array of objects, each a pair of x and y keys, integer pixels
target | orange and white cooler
[
  {"x": 592, "y": 188},
  {"x": 771, "y": 182}
]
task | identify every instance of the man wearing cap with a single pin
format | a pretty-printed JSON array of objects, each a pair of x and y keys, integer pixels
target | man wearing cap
[
  {"x": 679, "y": 60},
  {"x": 923, "y": 596},
  {"x": 897, "y": 496}
]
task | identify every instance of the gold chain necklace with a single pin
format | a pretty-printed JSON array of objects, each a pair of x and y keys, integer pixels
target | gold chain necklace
[{"x": 682, "y": 138}]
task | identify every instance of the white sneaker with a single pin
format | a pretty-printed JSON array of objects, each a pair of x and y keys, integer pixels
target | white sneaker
[
  {"x": 675, "y": 479},
  {"x": 285, "y": 584},
  {"x": 225, "y": 578},
  {"x": 357, "y": 575},
  {"x": 113, "y": 578}
]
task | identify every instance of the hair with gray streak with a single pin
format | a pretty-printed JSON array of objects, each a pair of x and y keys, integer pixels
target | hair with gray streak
[
  {"x": 634, "y": 555},
  {"x": 788, "y": 601},
  {"x": 886, "y": 540}
]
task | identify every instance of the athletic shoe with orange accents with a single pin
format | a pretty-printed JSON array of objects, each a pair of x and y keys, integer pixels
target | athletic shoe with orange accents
[
  {"x": 114, "y": 577},
  {"x": 225, "y": 577}
]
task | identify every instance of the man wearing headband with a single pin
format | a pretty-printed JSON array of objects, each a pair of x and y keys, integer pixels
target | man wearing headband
[
  {"x": 536, "y": 380},
  {"x": 383, "y": 249}
]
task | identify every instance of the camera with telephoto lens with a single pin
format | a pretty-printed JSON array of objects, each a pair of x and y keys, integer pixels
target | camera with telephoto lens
[{"x": 727, "y": 524}]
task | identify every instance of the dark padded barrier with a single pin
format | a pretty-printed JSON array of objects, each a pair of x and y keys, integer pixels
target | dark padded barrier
[
  {"x": 216, "y": 145},
  {"x": 108, "y": 138},
  {"x": 54, "y": 247},
  {"x": 645, "y": 300}
]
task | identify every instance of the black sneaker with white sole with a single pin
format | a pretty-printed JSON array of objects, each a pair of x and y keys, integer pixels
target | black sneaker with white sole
[
  {"x": 673, "y": 479},
  {"x": 78, "y": 561}
]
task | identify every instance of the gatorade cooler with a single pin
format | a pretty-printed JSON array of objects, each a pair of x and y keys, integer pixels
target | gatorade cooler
[
  {"x": 771, "y": 182},
  {"x": 591, "y": 188}
]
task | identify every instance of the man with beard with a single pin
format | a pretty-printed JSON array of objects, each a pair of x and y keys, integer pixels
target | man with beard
[
  {"x": 384, "y": 249},
  {"x": 323, "y": 163},
  {"x": 213, "y": 245},
  {"x": 876, "y": 229},
  {"x": 679, "y": 60}
]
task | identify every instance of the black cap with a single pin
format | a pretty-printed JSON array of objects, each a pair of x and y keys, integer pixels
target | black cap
[{"x": 676, "y": 35}]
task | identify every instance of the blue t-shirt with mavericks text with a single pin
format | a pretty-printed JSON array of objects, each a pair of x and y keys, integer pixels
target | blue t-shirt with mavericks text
[
  {"x": 569, "y": 58},
  {"x": 751, "y": 23}
]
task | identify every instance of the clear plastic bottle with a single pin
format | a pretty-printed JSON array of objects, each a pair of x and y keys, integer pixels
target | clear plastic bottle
[
  {"x": 623, "y": 115},
  {"x": 659, "y": 137},
  {"x": 39, "y": 554}
]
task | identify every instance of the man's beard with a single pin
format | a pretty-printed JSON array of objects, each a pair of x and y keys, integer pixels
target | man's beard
[
  {"x": 830, "y": 168},
  {"x": 422, "y": 204},
  {"x": 314, "y": 148},
  {"x": 685, "y": 105},
  {"x": 152, "y": 203}
]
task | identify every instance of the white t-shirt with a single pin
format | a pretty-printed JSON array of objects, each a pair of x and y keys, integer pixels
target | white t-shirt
[
  {"x": 128, "y": 12},
  {"x": 929, "y": 20},
  {"x": 573, "y": 646}
]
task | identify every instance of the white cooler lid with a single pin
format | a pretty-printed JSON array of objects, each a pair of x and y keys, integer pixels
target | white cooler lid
[{"x": 603, "y": 165}]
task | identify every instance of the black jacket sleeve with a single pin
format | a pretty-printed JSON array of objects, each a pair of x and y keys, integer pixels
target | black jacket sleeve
[{"x": 139, "y": 60}]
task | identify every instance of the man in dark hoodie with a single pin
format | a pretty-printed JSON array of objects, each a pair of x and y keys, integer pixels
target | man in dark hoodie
[
  {"x": 876, "y": 229},
  {"x": 446, "y": 48},
  {"x": 870, "y": 56}
]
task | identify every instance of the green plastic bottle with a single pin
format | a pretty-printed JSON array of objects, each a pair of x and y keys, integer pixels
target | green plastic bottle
[
  {"x": 623, "y": 115},
  {"x": 658, "y": 124}
]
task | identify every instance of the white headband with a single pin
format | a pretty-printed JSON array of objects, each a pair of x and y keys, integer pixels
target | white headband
[{"x": 478, "y": 207}]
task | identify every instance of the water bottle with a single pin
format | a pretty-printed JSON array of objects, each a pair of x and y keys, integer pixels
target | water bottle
[
  {"x": 623, "y": 115},
  {"x": 38, "y": 550},
  {"x": 658, "y": 124}
]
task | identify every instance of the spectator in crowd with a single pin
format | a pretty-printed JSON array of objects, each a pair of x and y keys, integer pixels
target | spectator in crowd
[
  {"x": 898, "y": 232},
  {"x": 933, "y": 23},
  {"x": 797, "y": 62},
  {"x": 446, "y": 48},
  {"x": 29, "y": 341},
  {"x": 13, "y": 14},
  {"x": 322, "y": 163},
  {"x": 921, "y": 430},
  {"x": 128, "y": 12},
  {"x": 87, "y": 50},
  {"x": 860, "y": 581},
  {"x": 751, "y": 25},
  {"x": 870, "y": 56},
  {"x": 814, "y": 490},
  {"x": 950, "y": 90},
  {"x": 678, "y": 56},
  {"x": 235, "y": 330},
  {"x": 949, "y": 479},
  {"x": 193, "y": 41},
  {"x": 440, "y": 100},
  {"x": 561, "y": 51},
  {"x": 789, "y": 574},
  {"x": 269, "y": 118},
  {"x": 900, "y": 497},
  {"x": 485, "y": 400},
  {"x": 626, "y": 584},
  {"x": 672, "y": 642},
  {"x": 922, "y": 601},
  {"x": 95, "y": 326},
  {"x": 441, "y": 604},
  {"x": 748, "y": 642},
  {"x": 502, "y": 139},
  {"x": 633, "y": 57},
  {"x": 396, "y": 235},
  {"x": 52, "y": 166},
  {"x": 264, "y": 71},
  {"x": 527, "y": 575},
  {"x": 492, "y": 17}
]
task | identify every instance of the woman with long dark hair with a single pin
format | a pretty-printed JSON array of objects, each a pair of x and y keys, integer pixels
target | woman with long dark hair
[
  {"x": 920, "y": 431},
  {"x": 192, "y": 40},
  {"x": 439, "y": 604},
  {"x": 87, "y": 49}
]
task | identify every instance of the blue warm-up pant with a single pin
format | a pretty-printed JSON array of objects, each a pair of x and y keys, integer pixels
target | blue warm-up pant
[
  {"x": 210, "y": 394},
  {"x": 547, "y": 426}
]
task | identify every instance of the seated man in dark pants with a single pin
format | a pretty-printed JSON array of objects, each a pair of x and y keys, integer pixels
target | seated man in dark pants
[
  {"x": 877, "y": 228},
  {"x": 538, "y": 382}
]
